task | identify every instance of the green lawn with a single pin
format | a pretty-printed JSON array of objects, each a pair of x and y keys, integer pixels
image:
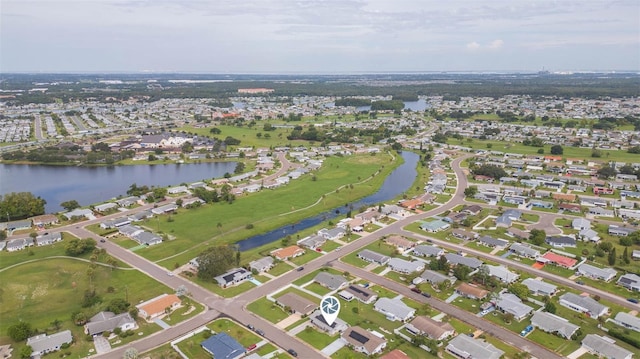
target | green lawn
[
  {"x": 267, "y": 310},
  {"x": 238, "y": 332},
  {"x": 224, "y": 292},
  {"x": 318, "y": 289},
  {"x": 317, "y": 339},
  {"x": 352, "y": 258},
  {"x": 309, "y": 277},
  {"x": 306, "y": 295},
  {"x": 41, "y": 292},
  {"x": 308, "y": 256},
  {"x": 280, "y": 268},
  {"x": 188, "y": 310},
  {"x": 346, "y": 353},
  {"x": 162, "y": 352},
  {"x": 191, "y": 346}
]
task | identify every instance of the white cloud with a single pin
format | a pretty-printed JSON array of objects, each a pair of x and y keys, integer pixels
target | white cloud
[
  {"x": 496, "y": 44},
  {"x": 473, "y": 46}
]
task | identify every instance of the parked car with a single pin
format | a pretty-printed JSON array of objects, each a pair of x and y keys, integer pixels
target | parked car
[
  {"x": 416, "y": 290},
  {"x": 292, "y": 352},
  {"x": 633, "y": 300},
  {"x": 251, "y": 327},
  {"x": 299, "y": 269},
  {"x": 102, "y": 240},
  {"x": 251, "y": 347},
  {"x": 260, "y": 332},
  {"x": 425, "y": 294},
  {"x": 526, "y": 330}
]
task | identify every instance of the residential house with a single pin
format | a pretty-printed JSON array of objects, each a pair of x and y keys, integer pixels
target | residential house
[
  {"x": 331, "y": 281},
  {"x": 455, "y": 259},
  {"x": 493, "y": 242},
  {"x": 432, "y": 277},
  {"x": 108, "y": 321},
  {"x": 524, "y": 250},
  {"x": 128, "y": 201},
  {"x": 471, "y": 291},
  {"x": 147, "y": 238},
  {"x": 18, "y": 225},
  {"x": 553, "y": 324},
  {"x": 400, "y": 242},
  {"x": 538, "y": 287},
  {"x": 158, "y": 306},
  {"x": 561, "y": 241},
  {"x": 580, "y": 224},
  {"x": 573, "y": 208},
  {"x": 628, "y": 321},
  {"x": 635, "y": 255},
  {"x": 510, "y": 303},
  {"x": 139, "y": 216},
  {"x": 517, "y": 200},
  {"x": 167, "y": 208},
  {"x": 42, "y": 344},
  {"x": 423, "y": 325},
  {"x": 466, "y": 347},
  {"x": 289, "y": 252},
  {"x": 261, "y": 265},
  {"x": 364, "y": 341},
  {"x": 583, "y": 304},
  {"x": 233, "y": 276},
  {"x": 312, "y": 242},
  {"x": 373, "y": 257},
  {"x": 177, "y": 190},
  {"x": 115, "y": 223},
  {"x": 473, "y": 209},
  {"x": 333, "y": 233},
  {"x": 338, "y": 325},
  {"x": 620, "y": 231},
  {"x": 79, "y": 212},
  {"x": 605, "y": 274},
  {"x": 19, "y": 244},
  {"x": 101, "y": 208},
  {"x": 296, "y": 303},
  {"x": 630, "y": 281},
  {"x": 434, "y": 226},
  {"x": 465, "y": 235},
  {"x": 404, "y": 266},
  {"x": 502, "y": 273},
  {"x": 428, "y": 251},
  {"x": 601, "y": 212},
  {"x": 44, "y": 220},
  {"x": 363, "y": 294},
  {"x": 589, "y": 235},
  {"x": 223, "y": 346},
  {"x": 605, "y": 347},
  {"x": 48, "y": 238},
  {"x": 556, "y": 259},
  {"x": 395, "y": 354},
  {"x": 394, "y": 309}
]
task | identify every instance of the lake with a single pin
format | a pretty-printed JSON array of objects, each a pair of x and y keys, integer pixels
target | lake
[
  {"x": 398, "y": 181},
  {"x": 89, "y": 185}
]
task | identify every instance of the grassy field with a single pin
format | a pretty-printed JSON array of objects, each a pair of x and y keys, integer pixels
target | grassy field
[
  {"x": 41, "y": 292},
  {"x": 248, "y": 136},
  {"x": 267, "y": 310},
  {"x": 196, "y": 228},
  {"x": 317, "y": 339}
]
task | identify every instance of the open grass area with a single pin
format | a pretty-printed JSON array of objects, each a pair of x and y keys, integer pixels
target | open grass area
[
  {"x": 318, "y": 289},
  {"x": 267, "y": 310},
  {"x": 308, "y": 256},
  {"x": 194, "y": 228},
  {"x": 352, "y": 258},
  {"x": 315, "y": 338},
  {"x": 363, "y": 315},
  {"x": 191, "y": 346},
  {"x": 238, "y": 332},
  {"x": 309, "y": 277},
  {"x": 41, "y": 292},
  {"x": 248, "y": 135},
  {"x": 188, "y": 310},
  {"x": 306, "y": 295},
  {"x": 554, "y": 342},
  {"x": 224, "y": 292},
  {"x": 162, "y": 352},
  {"x": 346, "y": 353},
  {"x": 280, "y": 268}
]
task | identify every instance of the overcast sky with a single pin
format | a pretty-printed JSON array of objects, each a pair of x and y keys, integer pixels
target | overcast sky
[{"x": 288, "y": 36}]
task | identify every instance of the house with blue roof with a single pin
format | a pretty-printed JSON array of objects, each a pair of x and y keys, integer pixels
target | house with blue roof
[
  {"x": 435, "y": 226},
  {"x": 222, "y": 346}
]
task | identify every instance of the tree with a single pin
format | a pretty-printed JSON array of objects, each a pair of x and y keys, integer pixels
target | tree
[
  {"x": 70, "y": 205},
  {"x": 461, "y": 272},
  {"x": 26, "y": 352},
  {"x": 612, "y": 257},
  {"x": 130, "y": 353},
  {"x": 239, "y": 168},
  {"x": 79, "y": 318},
  {"x": 215, "y": 131},
  {"x": 508, "y": 318},
  {"x": 215, "y": 261},
  {"x": 471, "y": 191},
  {"x": 492, "y": 171},
  {"x": 625, "y": 255},
  {"x": 537, "y": 236},
  {"x": 396, "y": 146},
  {"x": 76, "y": 247},
  {"x": 20, "y": 331},
  {"x": 557, "y": 150},
  {"x": 520, "y": 290},
  {"x": 550, "y": 307},
  {"x": 56, "y": 323},
  {"x": 606, "y": 172},
  {"x": 20, "y": 205},
  {"x": 118, "y": 305}
]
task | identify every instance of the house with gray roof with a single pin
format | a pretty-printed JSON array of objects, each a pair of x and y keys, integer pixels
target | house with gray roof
[
  {"x": 502, "y": 273},
  {"x": 580, "y": 224},
  {"x": 147, "y": 238},
  {"x": 561, "y": 241},
  {"x": 462, "y": 234},
  {"x": 297, "y": 303},
  {"x": 589, "y": 235},
  {"x": 605, "y": 347},
  {"x": 428, "y": 251},
  {"x": 605, "y": 274},
  {"x": 115, "y": 223},
  {"x": 79, "y": 212},
  {"x": 19, "y": 244},
  {"x": 493, "y": 242},
  {"x": 139, "y": 216},
  {"x": 333, "y": 233},
  {"x": 365, "y": 295},
  {"x": 403, "y": 266},
  {"x": 630, "y": 281},
  {"x": 105, "y": 207},
  {"x": 167, "y": 208},
  {"x": 628, "y": 321},
  {"x": 48, "y": 238},
  {"x": 553, "y": 324},
  {"x": 261, "y": 265},
  {"x": 394, "y": 309},
  {"x": 42, "y": 343},
  {"x": 524, "y": 250},
  {"x": 108, "y": 321},
  {"x": 423, "y": 325},
  {"x": 128, "y": 201},
  {"x": 312, "y": 242},
  {"x": 510, "y": 303},
  {"x": 583, "y": 304},
  {"x": 373, "y": 257},
  {"x": 466, "y": 347},
  {"x": 456, "y": 259},
  {"x": 538, "y": 287},
  {"x": 620, "y": 231},
  {"x": 601, "y": 212},
  {"x": 233, "y": 276},
  {"x": 331, "y": 281},
  {"x": 432, "y": 277},
  {"x": 338, "y": 325},
  {"x": 130, "y": 231}
]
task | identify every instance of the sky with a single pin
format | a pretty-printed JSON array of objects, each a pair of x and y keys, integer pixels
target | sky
[{"x": 318, "y": 36}]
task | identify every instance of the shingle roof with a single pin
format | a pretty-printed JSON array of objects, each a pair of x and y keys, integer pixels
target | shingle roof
[
  {"x": 604, "y": 347},
  {"x": 471, "y": 348},
  {"x": 553, "y": 324}
]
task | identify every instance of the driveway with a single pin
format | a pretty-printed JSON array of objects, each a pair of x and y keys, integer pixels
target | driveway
[
  {"x": 101, "y": 344},
  {"x": 452, "y": 297},
  {"x": 333, "y": 347}
]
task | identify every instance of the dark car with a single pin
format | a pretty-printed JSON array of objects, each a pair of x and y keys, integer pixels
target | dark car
[
  {"x": 260, "y": 332},
  {"x": 251, "y": 327},
  {"x": 425, "y": 294},
  {"x": 633, "y": 300},
  {"x": 300, "y": 269},
  {"x": 102, "y": 240},
  {"x": 292, "y": 352},
  {"x": 416, "y": 290},
  {"x": 580, "y": 282}
]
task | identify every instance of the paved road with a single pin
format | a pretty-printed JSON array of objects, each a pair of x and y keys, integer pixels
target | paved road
[
  {"x": 38, "y": 128},
  {"x": 500, "y": 333}
]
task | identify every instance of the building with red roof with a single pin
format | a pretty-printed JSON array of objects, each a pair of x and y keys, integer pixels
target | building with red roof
[{"x": 557, "y": 259}]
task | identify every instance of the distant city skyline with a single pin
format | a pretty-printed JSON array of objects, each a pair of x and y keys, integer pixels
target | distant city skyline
[{"x": 333, "y": 36}]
